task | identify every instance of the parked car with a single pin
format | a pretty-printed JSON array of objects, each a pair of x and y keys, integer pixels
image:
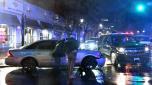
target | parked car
[
  {"x": 123, "y": 49},
  {"x": 39, "y": 54},
  {"x": 89, "y": 45}
]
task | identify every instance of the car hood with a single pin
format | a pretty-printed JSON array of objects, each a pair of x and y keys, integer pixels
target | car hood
[{"x": 130, "y": 44}]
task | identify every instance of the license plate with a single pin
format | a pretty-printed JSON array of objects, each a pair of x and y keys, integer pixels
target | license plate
[{"x": 136, "y": 59}]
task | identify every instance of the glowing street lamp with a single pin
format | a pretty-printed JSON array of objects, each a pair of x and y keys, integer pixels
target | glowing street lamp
[
  {"x": 140, "y": 7},
  {"x": 143, "y": 31},
  {"x": 138, "y": 31},
  {"x": 101, "y": 25},
  {"x": 81, "y": 20}
]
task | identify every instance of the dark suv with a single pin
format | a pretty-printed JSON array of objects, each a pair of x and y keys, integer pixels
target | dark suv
[{"x": 123, "y": 49}]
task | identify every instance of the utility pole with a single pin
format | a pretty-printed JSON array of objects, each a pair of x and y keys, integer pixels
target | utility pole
[{"x": 23, "y": 28}]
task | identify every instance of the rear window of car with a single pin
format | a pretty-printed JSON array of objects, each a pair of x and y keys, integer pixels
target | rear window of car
[
  {"x": 119, "y": 39},
  {"x": 48, "y": 45},
  {"x": 142, "y": 38}
]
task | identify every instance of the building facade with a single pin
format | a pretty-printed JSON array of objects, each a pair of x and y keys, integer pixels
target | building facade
[{"x": 18, "y": 18}]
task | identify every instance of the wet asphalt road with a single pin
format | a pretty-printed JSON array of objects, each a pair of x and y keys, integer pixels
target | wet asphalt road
[{"x": 49, "y": 76}]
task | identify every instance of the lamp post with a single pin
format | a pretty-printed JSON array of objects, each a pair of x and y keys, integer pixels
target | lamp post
[
  {"x": 23, "y": 28},
  {"x": 81, "y": 20},
  {"x": 83, "y": 30},
  {"x": 23, "y": 24}
]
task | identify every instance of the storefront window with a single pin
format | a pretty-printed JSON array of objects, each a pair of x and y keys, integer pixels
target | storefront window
[
  {"x": 3, "y": 33},
  {"x": 45, "y": 34},
  {"x": 28, "y": 35}
]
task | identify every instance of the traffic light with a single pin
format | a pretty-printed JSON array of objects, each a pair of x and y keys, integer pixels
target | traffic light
[{"x": 140, "y": 7}]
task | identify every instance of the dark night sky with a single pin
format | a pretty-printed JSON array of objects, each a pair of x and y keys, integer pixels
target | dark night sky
[
  {"x": 94, "y": 8},
  {"x": 120, "y": 12}
]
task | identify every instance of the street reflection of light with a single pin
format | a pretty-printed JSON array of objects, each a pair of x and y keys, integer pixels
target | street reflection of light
[
  {"x": 44, "y": 68},
  {"x": 3, "y": 74},
  {"x": 121, "y": 79},
  {"x": 99, "y": 76},
  {"x": 147, "y": 79},
  {"x": 137, "y": 79},
  {"x": 96, "y": 72}
]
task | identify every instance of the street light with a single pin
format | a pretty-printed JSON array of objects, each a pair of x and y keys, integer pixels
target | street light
[
  {"x": 81, "y": 20},
  {"x": 143, "y": 31},
  {"x": 140, "y": 7},
  {"x": 100, "y": 25},
  {"x": 138, "y": 31}
]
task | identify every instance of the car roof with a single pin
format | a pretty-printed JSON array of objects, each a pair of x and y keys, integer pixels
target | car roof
[
  {"x": 118, "y": 34},
  {"x": 47, "y": 41},
  {"x": 43, "y": 41},
  {"x": 141, "y": 36}
]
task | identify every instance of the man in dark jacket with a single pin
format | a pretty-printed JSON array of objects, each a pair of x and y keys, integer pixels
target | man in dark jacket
[
  {"x": 72, "y": 46},
  {"x": 69, "y": 48}
]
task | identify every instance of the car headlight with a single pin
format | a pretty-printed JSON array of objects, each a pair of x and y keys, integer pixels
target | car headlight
[
  {"x": 147, "y": 49},
  {"x": 121, "y": 50},
  {"x": 82, "y": 46}
]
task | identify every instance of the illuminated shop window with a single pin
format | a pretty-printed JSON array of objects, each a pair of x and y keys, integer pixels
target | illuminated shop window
[{"x": 3, "y": 33}]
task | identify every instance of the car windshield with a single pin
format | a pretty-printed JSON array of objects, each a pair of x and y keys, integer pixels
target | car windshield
[
  {"x": 123, "y": 39},
  {"x": 90, "y": 41},
  {"x": 142, "y": 38}
]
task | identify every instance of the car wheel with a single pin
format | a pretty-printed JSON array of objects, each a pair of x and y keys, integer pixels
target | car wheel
[
  {"x": 29, "y": 65},
  {"x": 113, "y": 58},
  {"x": 119, "y": 66},
  {"x": 89, "y": 63}
]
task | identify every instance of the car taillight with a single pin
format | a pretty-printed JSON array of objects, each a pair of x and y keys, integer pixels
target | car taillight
[{"x": 9, "y": 54}]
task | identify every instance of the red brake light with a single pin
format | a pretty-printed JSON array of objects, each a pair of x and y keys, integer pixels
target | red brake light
[{"x": 9, "y": 54}]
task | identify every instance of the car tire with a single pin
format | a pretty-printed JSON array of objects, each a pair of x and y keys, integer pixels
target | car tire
[
  {"x": 89, "y": 63},
  {"x": 86, "y": 63},
  {"x": 119, "y": 66},
  {"x": 29, "y": 65}
]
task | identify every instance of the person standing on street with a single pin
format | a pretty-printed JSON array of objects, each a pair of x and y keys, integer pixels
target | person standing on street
[
  {"x": 71, "y": 46},
  {"x": 68, "y": 47}
]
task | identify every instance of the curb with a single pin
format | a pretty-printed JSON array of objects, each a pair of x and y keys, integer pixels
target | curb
[{"x": 3, "y": 66}]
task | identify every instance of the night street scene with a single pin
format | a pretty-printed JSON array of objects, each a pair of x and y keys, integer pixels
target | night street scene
[{"x": 75, "y": 42}]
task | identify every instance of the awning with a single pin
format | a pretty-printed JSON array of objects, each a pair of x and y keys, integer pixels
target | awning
[
  {"x": 45, "y": 25},
  {"x": 9, "y": 19},
  {"x": 31, "y": 23}
]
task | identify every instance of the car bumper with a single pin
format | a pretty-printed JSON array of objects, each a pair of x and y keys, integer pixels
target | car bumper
[
  {"x": 13, "y": 61},
  {"x": 101, "y": 62},
  {"x": 135, "y": 59}
]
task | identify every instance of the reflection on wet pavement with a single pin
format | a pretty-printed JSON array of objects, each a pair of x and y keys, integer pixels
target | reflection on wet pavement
[
  {"x": 49, "y": 76},
  {"x": 138, "y": 77},
  {"x": 14, "y": 76},
  {"x": 3, "y": 73}
]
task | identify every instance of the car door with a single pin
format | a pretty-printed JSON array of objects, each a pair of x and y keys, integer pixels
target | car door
[{"x": 44, "y": 53}]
